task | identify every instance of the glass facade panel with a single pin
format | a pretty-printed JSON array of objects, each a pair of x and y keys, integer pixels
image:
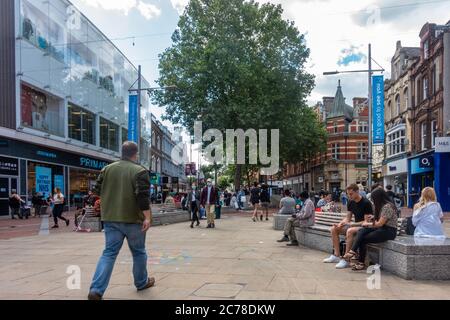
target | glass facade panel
[
  {"x": 109, "y": 135},
  {"x": 81, "y": 124}
]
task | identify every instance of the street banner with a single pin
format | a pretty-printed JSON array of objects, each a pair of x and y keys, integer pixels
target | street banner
[
  {"x": 154, "y": 178},
  {"x": 44, "y": 181},
  {"x": 59, "y": 182},
  {"x": 133, "y": 119},
  {"x": 378, "y": 109}
]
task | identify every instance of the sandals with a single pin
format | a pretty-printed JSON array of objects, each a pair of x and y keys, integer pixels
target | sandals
[
  {"x": 359, "y": 266},
  {"x": 348, "y": 256}
]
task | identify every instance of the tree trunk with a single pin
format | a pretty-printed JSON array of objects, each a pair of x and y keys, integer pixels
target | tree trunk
[{"x": 237, "y": 177}]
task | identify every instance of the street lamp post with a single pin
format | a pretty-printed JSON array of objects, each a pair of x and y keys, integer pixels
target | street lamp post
[
  {"x": 370, "y": 72},
  {"x": 139, "y": 105}
]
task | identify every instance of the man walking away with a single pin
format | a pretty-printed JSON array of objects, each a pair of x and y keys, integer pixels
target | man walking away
[
  {"x": 193, "y": 205},
  {"x": 208, "y": 199},
  {"x": 124, "y": 188},
  {"x": 305, "y": 218}
]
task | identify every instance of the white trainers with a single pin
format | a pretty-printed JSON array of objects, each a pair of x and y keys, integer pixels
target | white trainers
[
  {"x": 342, "y": 264},
  {"x": 332, "y": 259}
]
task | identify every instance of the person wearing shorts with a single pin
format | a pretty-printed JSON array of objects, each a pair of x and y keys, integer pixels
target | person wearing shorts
[
  {"x": 254, "y": 199},
  {"x": 265, "y": 201},
  {"x": 362, "y": 210}
]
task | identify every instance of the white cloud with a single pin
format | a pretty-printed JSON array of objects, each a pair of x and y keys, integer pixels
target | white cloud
[
  {"x": 120, "y": 5},
  {"x": 179, "y": 5},
  {"x": 331, "y": 26},
  {"x": 148, "y": 11}
]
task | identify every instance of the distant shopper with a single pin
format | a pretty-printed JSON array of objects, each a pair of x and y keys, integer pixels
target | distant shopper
[
  {"x": 326, "y": 198},
  {"x": 208, "y": 199},
  {"x": 15, "y": 203},
  {"x": 287, "y": 204},
  {"x": 36, "y": 201},
  {"x": 428, "y": 217},
  {"x": 58, "y": 208},
  {"x": 254, "y": 200},
  {"x": 193, "y": 205},
  {"x": 265, "y": 200},
  {"x": 124, "y": 187},
  {"x": 344, "y": 198}
]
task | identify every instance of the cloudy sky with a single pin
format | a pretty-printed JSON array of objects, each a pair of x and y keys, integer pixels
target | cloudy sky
[{"x": 337, "y": 32}]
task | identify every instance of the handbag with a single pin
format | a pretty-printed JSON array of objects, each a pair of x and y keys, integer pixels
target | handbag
[{"x": 410, "y": 228}]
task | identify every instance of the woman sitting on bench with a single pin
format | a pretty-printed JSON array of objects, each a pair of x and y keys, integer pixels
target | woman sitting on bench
[
  {"x": 382, "y": 228},
  {"x": 428, "y": 217}
]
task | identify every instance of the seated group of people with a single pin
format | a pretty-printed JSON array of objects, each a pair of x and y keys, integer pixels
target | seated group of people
[{"x": 375, "y": 221}]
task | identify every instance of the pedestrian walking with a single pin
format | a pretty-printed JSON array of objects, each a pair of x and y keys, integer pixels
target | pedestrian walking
[
  {"x": 124, "y": 187},
  {"x": 193, "y": 204},
  {"x": 265, "y": 200},
  {"x": 15, "y": 203},
  {"x": 254, "y": 199},
  {"x": 58, "y": 208},
  {"x": 208, "y": 199}
]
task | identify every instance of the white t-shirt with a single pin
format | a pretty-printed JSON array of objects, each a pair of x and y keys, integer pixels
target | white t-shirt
[{"x": 58, "y": 198}]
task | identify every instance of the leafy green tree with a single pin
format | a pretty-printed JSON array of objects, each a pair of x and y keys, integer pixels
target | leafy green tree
[{"x": 239, "y": 65}]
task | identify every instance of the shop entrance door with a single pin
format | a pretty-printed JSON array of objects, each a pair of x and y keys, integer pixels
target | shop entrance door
[{"x": 7, "y": 185}]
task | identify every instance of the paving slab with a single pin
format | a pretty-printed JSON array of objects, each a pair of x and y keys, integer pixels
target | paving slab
[{"x": 240, "y": 259}]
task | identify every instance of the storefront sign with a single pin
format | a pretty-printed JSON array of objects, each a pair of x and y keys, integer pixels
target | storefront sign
[
  {"x": 422, "y": 164},
  {"x": 33, "y": 152},
  {"x": 44, "y": 181},
  {"x": 426, "y": 162},
  {"x": 133, "y": 119},
  {"x": 92, "y": 163},
  {"x": 378, "y": 109},
  {"x": 396, "y": 167},
  {"x": 9, "y": 166},
  {"x": 443, "y": 145},
  {"x": 46, "y": 154}
]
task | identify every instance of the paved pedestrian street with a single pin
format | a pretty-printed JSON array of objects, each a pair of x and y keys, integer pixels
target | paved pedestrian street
[{"x": 239, "y": 260}]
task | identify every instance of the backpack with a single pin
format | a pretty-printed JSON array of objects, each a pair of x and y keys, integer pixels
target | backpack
[{"x": 410, "y": 228}]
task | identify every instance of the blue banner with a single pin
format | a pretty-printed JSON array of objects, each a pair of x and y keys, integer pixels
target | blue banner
[
  {"x": 44, "y": 181},
  {"x": 378, "y": 109},
  {"x": 133, "y": 119},
  {"x": 59, "y": 182}
]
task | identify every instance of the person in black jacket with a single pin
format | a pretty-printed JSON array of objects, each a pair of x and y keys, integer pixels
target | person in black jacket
[{"x": 265, "y": 200}]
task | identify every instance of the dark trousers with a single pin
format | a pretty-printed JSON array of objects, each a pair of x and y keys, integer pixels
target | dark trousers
[
  {"x": 372, "y": 235},
  {"x": 57, "y": 213},
  {"x": 16, "y": 211},
  {"x": 37, "y": 209},
  {"x": 194, "y": 212}
]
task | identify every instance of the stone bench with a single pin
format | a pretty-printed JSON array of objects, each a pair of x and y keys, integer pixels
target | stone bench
[
  {"x": 406, "y": 256},
  {"x": 170, "y": 217},
  {"x": 279, "y": 221},
  {"x": 92, "y": 223}
]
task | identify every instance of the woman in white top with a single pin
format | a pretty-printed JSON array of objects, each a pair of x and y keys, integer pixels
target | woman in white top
[
  {"x": 428, "y": 217},
  {"x": 58, "y": 208}
]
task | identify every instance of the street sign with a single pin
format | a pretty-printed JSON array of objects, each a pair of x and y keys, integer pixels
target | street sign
[
  {"x": 378, "y": 109},
  {"x": 443, "y": 144},
  {"x": 133, "y": 119}
]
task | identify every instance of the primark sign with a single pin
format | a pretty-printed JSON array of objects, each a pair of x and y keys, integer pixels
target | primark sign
[{"x": 443, "y": 145}]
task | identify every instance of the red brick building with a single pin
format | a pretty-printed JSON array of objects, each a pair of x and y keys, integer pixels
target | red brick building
[{"x": 345, "y": 160}]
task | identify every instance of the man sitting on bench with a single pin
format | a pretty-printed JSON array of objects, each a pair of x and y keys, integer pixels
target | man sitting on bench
[{"x": 362, "y": 209}]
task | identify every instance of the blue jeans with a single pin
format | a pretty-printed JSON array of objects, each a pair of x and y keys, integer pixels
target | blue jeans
[{"x": 115, "y": 233}]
